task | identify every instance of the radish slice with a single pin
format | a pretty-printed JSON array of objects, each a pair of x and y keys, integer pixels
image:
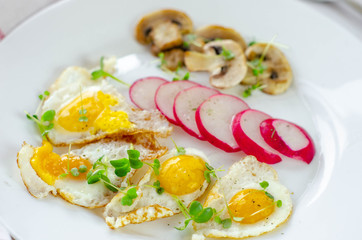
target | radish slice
[
  {"x": 142, "y": 92},
  {"x": 288, "y": 139},
  {"x": 214, "y": 120},
  {"x": 165, "y": 97},
  {"x": 246, "y": 131},
  {"x": 186, "y": 103}
]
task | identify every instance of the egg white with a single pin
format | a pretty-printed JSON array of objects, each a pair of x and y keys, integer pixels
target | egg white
[
  {"x": 80, "y": 192},
  {"x": 149, "y": 205},
  {"x": 245, "y": 174}
]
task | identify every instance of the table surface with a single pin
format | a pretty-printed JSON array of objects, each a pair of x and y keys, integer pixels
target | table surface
[{"x": 347, "y": 13}]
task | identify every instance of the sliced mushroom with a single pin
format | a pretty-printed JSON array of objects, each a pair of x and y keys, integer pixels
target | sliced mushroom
[
  {"x": 224, "y": 73},
  {"x": 277, "y": 74},
  {"x": 163, "y": 28},
  {"x": 174, "y": 58},
  {"x": 212, "y": 32}
]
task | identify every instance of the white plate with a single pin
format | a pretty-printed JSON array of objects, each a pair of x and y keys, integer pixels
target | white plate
[{"x": 324, "y": 98}]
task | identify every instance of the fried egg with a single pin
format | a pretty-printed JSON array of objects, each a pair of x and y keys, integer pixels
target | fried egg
[
  {"x": 41, "y": 169},
  {"x": 88, "y": 110},
  {"x": 179, "y": 175},
  {"x": 253, "y": 209}
]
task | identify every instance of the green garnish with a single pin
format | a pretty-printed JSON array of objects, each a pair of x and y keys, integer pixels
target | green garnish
[
  {"x": 211, "y": 172},
  {"x": 45, "y": 123},
  {"x": 264, "y": 185},
  {"x": 127, "y": 199},
  {"x": 42, "y": 96},
  {"x": 180, "y": 150},
  {"x": 251, "y": 43},
  {"x": 157, "y": 186},
  {"x": 82, "y": 111},
  {"x": 227, "y": 54},
  {"x": 190, "y": 39},
  {"x": 74, "y": 171},
  {"x": 247, "y": 92},
  {"x": 82, "y": 168},
  {"x": 101, "y": 73},
  {"x": 196, "y": 213},
  {"x": 155, "y": 166},
  {"x": 163, "y": 62},
  {"x": 226, "y": 223}
]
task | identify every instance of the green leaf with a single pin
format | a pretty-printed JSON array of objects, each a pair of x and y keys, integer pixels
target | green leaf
[
  {"x": 195, "y": 208},
  {"x": 181, "y": 151},
  {"x": 264, "y": 184},
  {"x": 82, "y": 111},
  {"x": 108, "y": 183},
  {"x": 83, "y": 168},
  {"x": 63, "y": 175},
  {"x": 101, "y": 63},
  {"x": 226, "y": 223},
  {"x": 207, "y": 175},
  {"x": 251, "y": 43},
  {"x": 126, "y": 201},
  {"x": 93, "y": 177},
  {"x": 269, "y": 195},
  {"x": 217, "y": 219},
  {"x": 48, "y": 115},
  {"x": 160, "y": 190},
  {"x": 157, "y": 184},
  {"x": 227, "y": 54},
  {"x": 279, "y": 203},
  {"x": 238, "y": 219},
  {"x": 41, "y": 97},
  {"x": 156, "y": 166},
  {"x": 204, "y": 216},
  {"x": 122, "y": 171},
  {"x": 187, "y": 221},
  {"x": 46, "y": 93},
  {"x": 74, "y": 172},
  {"x": 134, "y": 160},
  {"x": 97, "y": 74},
  {"x": 132, "y": 193},
  {"x": 119, "y": 163},
  {"x": 187, "y": 76},
  {"x": 208, "y": 166},
  {"x": 98, "y": 162},
  {"x": 83, "y": 119}
]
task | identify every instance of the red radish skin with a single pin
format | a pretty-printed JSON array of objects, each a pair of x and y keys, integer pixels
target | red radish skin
[
  {"x": 246, "y": 131},
  {"x": 165, "y": 97},
  {"x": 288, "y": 139},
  {"x": 142, "y": 92},
  {"x": 214, "y": 120},
  {"x": 185, "y": 105}
]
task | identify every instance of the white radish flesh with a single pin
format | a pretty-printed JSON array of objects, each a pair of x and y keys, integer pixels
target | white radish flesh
[
  {"x": 165, "y": 97},
  {"x": 214, "y": 120},
  {"x": 142, "y": 92},
  {"x": 288, "y": 139},
  {"x": 186, "y": 103},
  {"x": 246, "y": 131}
]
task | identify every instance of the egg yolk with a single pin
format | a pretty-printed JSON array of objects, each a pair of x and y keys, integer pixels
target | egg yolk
[
  {"x": 96, "y": 108},
  {"x": 182, "y": 174},
  {"x": 252, "y": 205},
  {"x": 49, "y": 165}
]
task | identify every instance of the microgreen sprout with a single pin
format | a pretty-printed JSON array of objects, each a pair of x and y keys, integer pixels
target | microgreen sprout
[
  {"x": 264, "y": 185},
  {"x": 103, "y": 74},
  {"x": 247, "y": 92},
  {"x": 68, "y": 160},
  {"x": 211, "y": 172},
  {"x": 155, "y": 166},
  {"x": 180, "y": 150},
  {"x": 82, "y": 111},
  {"x": 157, "y": 186},
  {"x": 44, "y": 95},
  {"x": 45, "y": 123},
  {"x": 251, "y": 43},
  {"x": 226, "y": 223},
  {"x": 177, "y": 75},
  {"x": 195, "y": 213},
  {"x": 190, "y": 39},
  {"x": 127, "y": 199},
  {"x": 227, "y": 54}
]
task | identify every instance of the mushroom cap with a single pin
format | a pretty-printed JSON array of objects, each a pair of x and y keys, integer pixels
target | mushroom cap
[
  {"x": 212, "y": 32},
  {"x": 145, "y": 25},
  {"x": 277, "y": 75},
  {"x": 233, "y": 71}
]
